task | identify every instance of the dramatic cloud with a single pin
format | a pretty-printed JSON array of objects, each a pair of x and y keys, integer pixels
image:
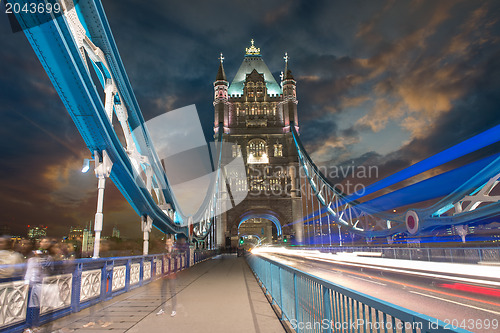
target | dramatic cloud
[{"x": 414, "y": 77}]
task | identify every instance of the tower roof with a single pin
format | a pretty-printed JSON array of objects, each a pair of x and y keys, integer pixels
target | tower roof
[
  {"x": 253, "y": 61},
  {"x": 287, "y": 75},
  {"x": 221, "y": 75}
]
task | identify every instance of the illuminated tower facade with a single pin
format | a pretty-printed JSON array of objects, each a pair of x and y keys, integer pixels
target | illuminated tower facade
[{"x": 256, "y": 113}]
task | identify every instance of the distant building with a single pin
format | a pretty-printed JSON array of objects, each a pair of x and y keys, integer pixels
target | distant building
[
  {"x": 87, "y": 241},
  {"x": 37, "y": 232},
  {"x": 75, "y": 233},
  {"x": 116, "y": 232}
]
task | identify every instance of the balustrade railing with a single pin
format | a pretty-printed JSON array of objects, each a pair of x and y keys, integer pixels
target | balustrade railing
[
  {"x": 310, "y": 304},
  {"x": 74, "y": 285}
]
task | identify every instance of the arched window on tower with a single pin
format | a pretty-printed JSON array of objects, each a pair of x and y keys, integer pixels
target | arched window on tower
[
  {"x": 278, "y": 149},
  {"x": 257, "y": 152},
  {"x": 260, "y": 89},
  {"x": 250, "y": 89},
  {"x": 236, "y": 150}
]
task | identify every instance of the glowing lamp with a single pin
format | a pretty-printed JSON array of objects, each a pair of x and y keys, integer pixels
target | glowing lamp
[{"x": 86, "y": 165}]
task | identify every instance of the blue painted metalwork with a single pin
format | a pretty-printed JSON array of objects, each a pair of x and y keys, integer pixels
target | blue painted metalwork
[
  {"x": 316, "y": 305},
  {"x": 368, "y": 218},
  {"x": 475, "y": 143},
  {"x": 54, "y": 44},
  {"x": 431, "y": 188}
]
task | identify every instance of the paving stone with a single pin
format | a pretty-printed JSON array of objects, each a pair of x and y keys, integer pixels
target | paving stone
[{"x": 217, "y": 295}]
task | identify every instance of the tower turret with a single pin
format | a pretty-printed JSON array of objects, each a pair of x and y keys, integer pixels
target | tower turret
[
  {"x": 289, "y": 86},
  {"x": 221, "y": 103}
]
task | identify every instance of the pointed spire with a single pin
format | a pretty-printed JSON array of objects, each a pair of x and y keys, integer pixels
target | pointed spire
[
  {"x": 221, "y": 75},
  {"x": 287, "y": 74}
]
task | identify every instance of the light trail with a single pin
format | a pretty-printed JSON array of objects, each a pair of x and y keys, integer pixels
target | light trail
[
  {"x": 269, "y": 253},
  {"x": 450, "y": 301},
  {"x": 469, "y": 273},
  {"x": 367, "y": 280}
]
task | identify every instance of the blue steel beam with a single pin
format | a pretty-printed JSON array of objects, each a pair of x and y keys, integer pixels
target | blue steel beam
[
  {"x": 451, "y": 186},
  {"x": 435, "y": 187},
  {"x": 93, "y": 18},
  {"x": 53, "y": 44},
  {"x": 473, "y": 144}
]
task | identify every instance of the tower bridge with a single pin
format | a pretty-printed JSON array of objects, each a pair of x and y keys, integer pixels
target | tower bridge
[
  {"x": 256, "y": 113},
  {"x": 279, "y": 194}
]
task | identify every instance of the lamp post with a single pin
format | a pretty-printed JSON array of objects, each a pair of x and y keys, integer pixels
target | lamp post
[
  {"x": 102, "y": 171},
  {"x": 146, "y": 225},
  {"x": 340, "y": 235}
]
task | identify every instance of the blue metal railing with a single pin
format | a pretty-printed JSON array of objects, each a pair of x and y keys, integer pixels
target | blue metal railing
[
  {"x": 85, "y": 282},
  {"x": 311, "y": 304}
]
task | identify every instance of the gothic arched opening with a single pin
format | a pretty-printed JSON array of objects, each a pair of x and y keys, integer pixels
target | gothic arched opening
[{"x": 258, "y": 231}]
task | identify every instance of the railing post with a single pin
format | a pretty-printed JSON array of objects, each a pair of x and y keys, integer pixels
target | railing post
[
  {"x": 296, "y": 297},
  {"x": 104, "y": 281},
  {"x": 269, "y": 281},
  {"x": 327, "y": 308},
  {"x": 76, "y": 285},
  {"x": 281, "y": 291},
  {"x": 109, "y": 280},
  {"x": 127, "y": 274},
  {"x": 141, "y": 271},
  {"x": 152, "y": 269}
]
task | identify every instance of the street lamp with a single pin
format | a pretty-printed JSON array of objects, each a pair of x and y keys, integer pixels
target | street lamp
[
  {"x": 86, "y": 164},
  {"x": 340, "y": 235}
]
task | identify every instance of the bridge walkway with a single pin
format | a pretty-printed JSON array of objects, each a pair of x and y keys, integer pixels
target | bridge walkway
[{"x": 218, "y": 295}]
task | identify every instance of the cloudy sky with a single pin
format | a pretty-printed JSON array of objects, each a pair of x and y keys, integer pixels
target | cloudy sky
[{"x": 386, "y": 83}]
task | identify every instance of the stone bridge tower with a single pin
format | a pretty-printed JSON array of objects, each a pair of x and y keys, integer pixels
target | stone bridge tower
[{"x": 256, "y": 113}]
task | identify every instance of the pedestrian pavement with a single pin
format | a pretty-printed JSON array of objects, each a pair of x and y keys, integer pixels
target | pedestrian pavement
[{"x": 217, "y": 295}]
